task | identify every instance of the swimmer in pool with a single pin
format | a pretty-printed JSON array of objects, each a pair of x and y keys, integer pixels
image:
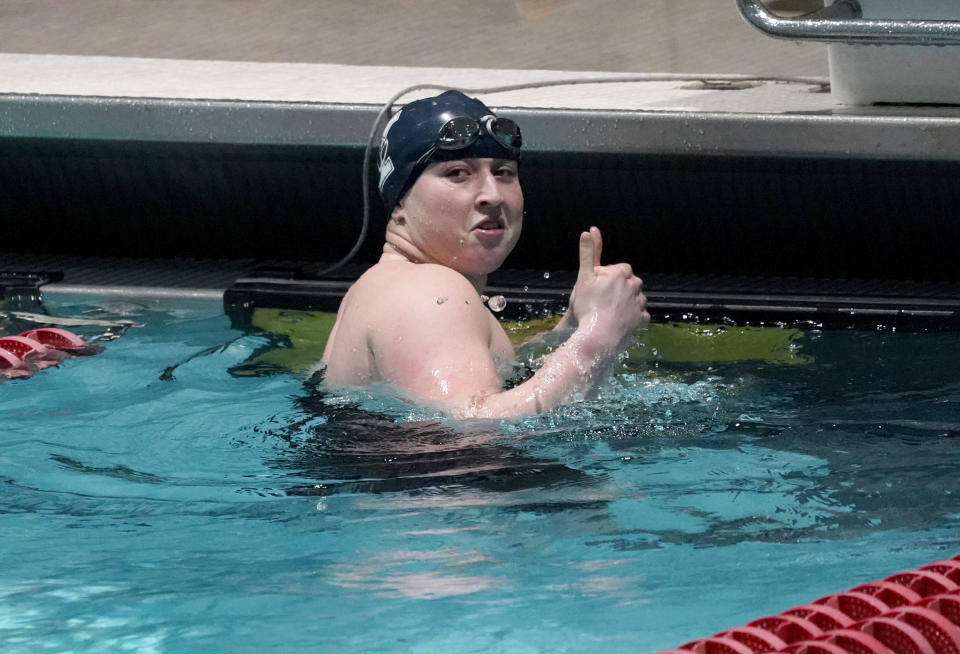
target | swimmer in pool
[{"x": 450, "y": 182}]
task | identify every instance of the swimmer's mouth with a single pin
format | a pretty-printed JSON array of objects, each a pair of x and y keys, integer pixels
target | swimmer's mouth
[{"x": 490, "y": 224}]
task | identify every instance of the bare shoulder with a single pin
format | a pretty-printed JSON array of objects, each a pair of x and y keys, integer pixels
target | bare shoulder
[{"x": 398, "y": 287}]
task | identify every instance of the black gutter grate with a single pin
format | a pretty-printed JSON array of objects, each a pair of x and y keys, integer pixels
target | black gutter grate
[
  {"x": 247, "y": 284},
  {"x": 753, "y": 300}
]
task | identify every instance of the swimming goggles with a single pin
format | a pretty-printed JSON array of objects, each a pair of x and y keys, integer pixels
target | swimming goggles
[{"x": 461, "y": 133}]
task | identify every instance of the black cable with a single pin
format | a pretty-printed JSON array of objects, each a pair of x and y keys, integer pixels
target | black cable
[{"x": 648, "y": 77}]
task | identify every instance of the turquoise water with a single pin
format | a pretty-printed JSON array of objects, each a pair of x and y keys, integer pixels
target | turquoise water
[{"x": 205, "y": 511}]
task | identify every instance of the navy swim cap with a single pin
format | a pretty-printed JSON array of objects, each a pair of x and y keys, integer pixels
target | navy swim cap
[{"x": 410, "y": 140}]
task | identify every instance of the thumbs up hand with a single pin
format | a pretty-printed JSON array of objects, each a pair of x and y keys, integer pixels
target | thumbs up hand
[{"x": 608, "y": 300}]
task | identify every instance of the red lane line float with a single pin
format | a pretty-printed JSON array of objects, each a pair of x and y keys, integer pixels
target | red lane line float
[
  {"x": 858, "y": 606},
  {"x": 35, "y": 349},
  {"x": 22, "y": 346},
  {"x": 825, "y": 617},
  {"x": 757, "y": 639},
  {"x": 789, "y": 628},
  {"x": 34, "y": 353},
  {"x": 946, "y": 605},
  {"x": 717, "y": 645},
  {"x": 816, "y": 647},
  {"x": 938, "y": 630},
  {"x": 924, "y": 582},
  {"x": 910, "y": 612},
  {"x": 9, "y": 361},
  {"x": 858, "y": 642},
  {"x": 949, "y": 569},
  {"x": 899, "y": 636},
  {"x": 55, "y": 337},
  {"x": 891, "y": 594}
]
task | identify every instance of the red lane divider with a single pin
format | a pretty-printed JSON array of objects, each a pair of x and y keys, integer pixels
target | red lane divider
[
  {"x": 717, "y": 645},
  {"x": 942, "y": 634},
  {"x": 949, "y": 569},
  {"x": 789, "y": 628},
  {"x": 857, "y": 642},
  {"x": 33, "y": 350},
  {"x": 825, "y": 617},
  {"x": 21, "y": 346},
  {"x": 817, "y": 647},
  {"x": 910, "y": 612},
  {"x": 9, "y": 361},
  {"x": 60, "y": 339},
  {"x": 898, "y": 635},
  {"x": 890, "y": 593},
  {"x": 757, "y": 639},
  {"x": 946, "y": 605},
  {"x": 924, "y": 582},
  {"x": 858, "y": 606}
]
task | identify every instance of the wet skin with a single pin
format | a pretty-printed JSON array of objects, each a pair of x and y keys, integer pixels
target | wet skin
[{"x": 416, "y": 320}]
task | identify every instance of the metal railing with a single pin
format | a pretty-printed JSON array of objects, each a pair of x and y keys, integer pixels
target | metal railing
[{"x": 843, "y": 22}]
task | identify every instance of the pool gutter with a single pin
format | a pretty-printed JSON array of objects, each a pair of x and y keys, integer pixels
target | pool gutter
[{"x": 175, "y": 150}]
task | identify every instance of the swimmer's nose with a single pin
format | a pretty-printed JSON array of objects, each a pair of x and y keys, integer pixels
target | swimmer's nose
[{"x": 489, "y": 194}]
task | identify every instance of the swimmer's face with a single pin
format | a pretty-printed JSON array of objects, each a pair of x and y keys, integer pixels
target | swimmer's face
[{"x": 465, "y": 214}]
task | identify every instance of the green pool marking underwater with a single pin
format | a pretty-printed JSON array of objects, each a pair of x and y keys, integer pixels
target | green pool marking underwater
[{"x": 185, "y": 491}]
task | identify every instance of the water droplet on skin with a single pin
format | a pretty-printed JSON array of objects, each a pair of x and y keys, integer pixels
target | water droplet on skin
[
  {"x": 546, "y": 275},
  {"x": 441, "y": 300},
  {"x": 484, "y": 298},
  {"x": 497, "y": 303},
  {"x": 460, "y": 242}
]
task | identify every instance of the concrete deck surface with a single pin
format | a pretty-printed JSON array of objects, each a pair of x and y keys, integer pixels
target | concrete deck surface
[{"x": 678, "y": 36}]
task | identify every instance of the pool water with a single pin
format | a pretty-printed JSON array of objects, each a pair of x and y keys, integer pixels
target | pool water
[{"x": 154, "y": 501}]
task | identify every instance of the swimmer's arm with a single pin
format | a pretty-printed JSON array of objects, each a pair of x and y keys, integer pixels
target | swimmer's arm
[
  {"x": 447, "y": 360},
  {"x": 553, "y": 337},
  {"x": 606, "y": 307},
  {"x": 433, "y": 338},
  {"x": 567, "y": 374}
]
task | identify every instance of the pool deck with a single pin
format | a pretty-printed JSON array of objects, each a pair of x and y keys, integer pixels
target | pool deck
[
  {"x": 108, "y": 98},
  {"x": 727, "y": 106},
  {"x": 676, "y": 36}
]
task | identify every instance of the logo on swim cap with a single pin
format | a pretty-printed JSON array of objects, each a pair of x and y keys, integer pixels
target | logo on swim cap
[{"x": 385, "y": 163}]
